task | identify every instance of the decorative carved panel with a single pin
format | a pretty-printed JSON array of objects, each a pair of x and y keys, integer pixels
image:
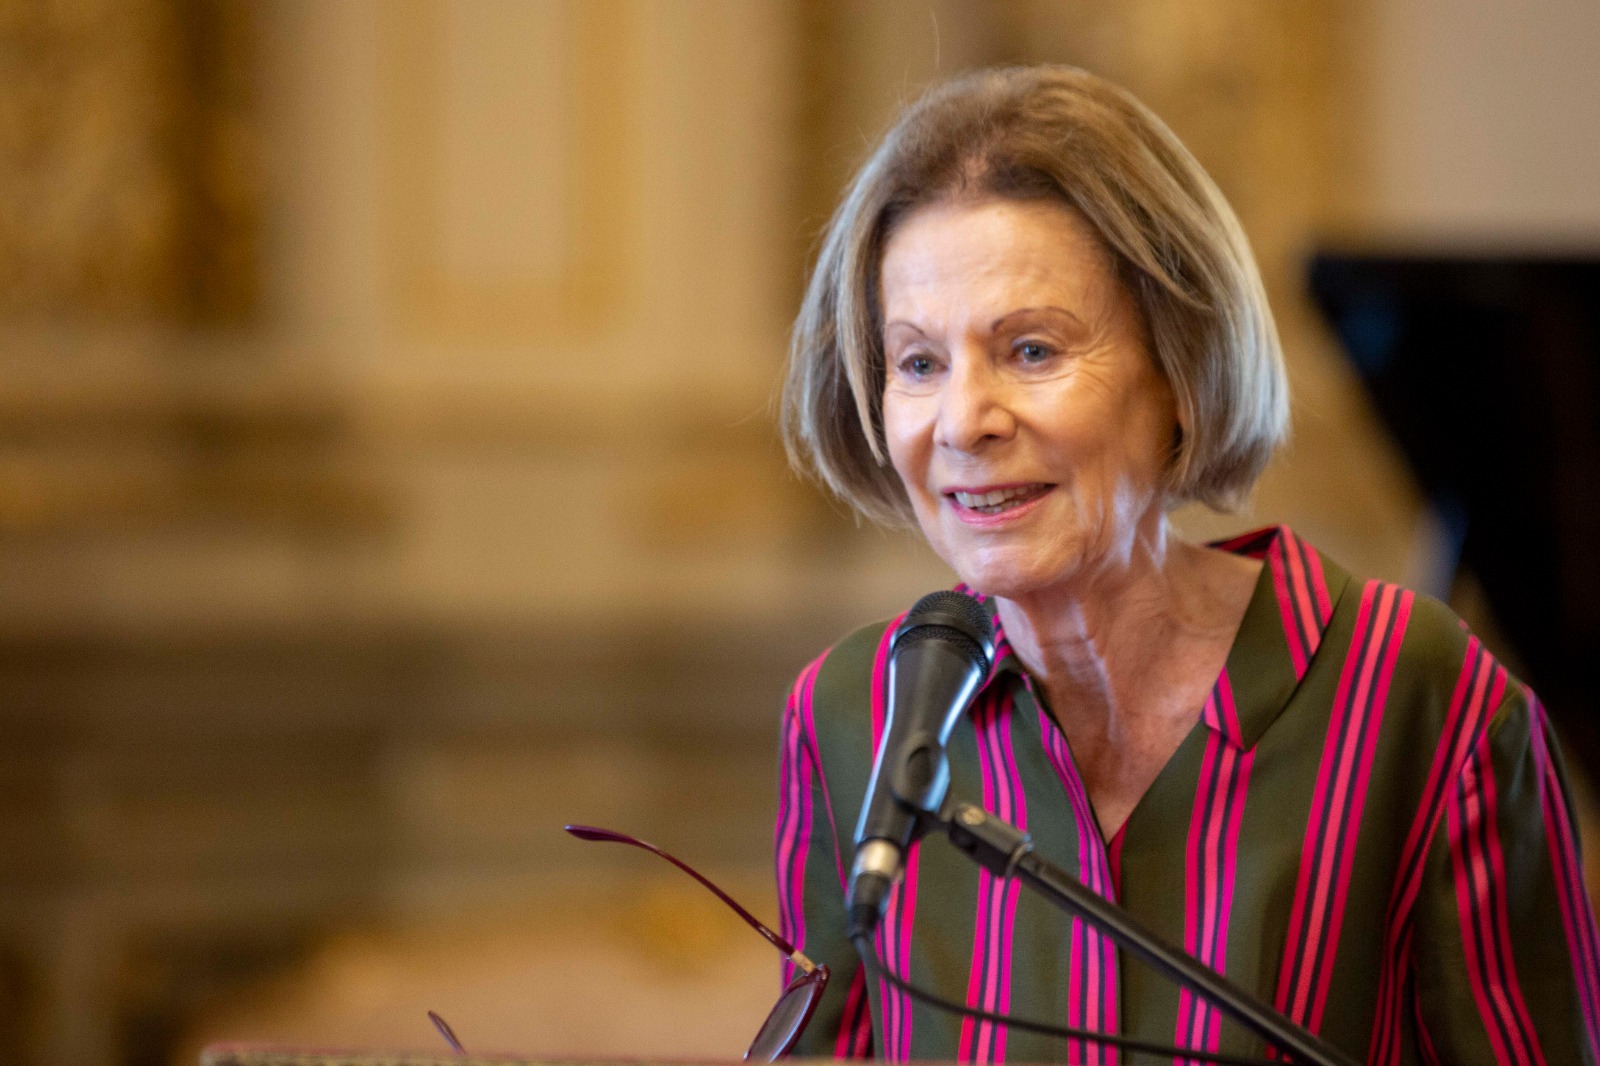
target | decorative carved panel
[
  {"x": 503, "y": 146},
  {"x": 128, "y": 183}
]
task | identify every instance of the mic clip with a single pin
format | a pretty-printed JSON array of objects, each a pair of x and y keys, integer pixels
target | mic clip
[{"x": 993, "y": 843}]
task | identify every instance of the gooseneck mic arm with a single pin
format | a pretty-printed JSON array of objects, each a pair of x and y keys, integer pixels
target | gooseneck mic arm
[{"x": 1006, "y": 851}]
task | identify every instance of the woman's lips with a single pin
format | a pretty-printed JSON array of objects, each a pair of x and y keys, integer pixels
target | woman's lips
[{"x": 993, "y": 504}]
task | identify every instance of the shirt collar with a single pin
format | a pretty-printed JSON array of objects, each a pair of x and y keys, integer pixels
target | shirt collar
[{"x": 1278, "y": 638}]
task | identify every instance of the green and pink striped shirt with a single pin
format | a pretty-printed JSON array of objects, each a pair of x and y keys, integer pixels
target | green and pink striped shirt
[{"x": 1369, "y": 827}]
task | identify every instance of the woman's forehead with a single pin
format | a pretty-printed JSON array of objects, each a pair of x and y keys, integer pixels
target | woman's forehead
[{"x": 991, "y": 257}]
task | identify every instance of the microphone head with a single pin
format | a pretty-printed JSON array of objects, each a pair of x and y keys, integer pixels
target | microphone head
[{"x": 952, "y": 617}]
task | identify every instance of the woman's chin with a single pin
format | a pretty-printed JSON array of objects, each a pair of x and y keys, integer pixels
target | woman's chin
[{"x": 1010, "y": 578}]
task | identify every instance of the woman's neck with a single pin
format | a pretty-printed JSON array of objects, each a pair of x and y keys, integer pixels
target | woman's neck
[{"x": 1104, "y": 640}]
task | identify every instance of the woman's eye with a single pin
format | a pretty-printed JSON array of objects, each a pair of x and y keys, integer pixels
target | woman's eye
[
  {"x": 918, "y": 366},
  {"x": 1033, "y": 352}
]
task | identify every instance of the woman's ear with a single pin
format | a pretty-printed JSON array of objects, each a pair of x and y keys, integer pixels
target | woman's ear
[{"x": 1170, "y": 474}]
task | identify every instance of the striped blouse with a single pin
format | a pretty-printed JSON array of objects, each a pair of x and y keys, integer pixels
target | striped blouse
[{"x": 1369, "y": 828}]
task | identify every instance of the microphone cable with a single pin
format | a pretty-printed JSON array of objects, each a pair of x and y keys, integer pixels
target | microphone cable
[{"x": 876, "y": 971}]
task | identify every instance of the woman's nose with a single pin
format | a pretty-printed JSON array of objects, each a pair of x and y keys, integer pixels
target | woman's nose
[{"x": 974, "y": 408}]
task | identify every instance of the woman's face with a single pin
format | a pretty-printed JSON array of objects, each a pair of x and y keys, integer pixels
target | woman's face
[{"x": 1023, "y": 410}]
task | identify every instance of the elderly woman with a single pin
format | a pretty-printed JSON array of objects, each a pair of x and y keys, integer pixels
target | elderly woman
[{"x": 1034, "y": 328}]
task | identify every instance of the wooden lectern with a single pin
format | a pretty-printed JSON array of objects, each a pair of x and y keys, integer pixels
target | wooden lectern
[{"x": 265, "y": 1055}]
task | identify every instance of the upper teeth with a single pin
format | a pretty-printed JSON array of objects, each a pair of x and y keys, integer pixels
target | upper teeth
[{"x": 990, "y": 499}]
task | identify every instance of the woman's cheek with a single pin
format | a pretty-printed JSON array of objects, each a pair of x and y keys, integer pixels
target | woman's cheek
[{"x": 908, "y": 434}]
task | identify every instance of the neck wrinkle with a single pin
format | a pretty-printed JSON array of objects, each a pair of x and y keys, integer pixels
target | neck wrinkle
[
  {"x": 1097, "y": 647},
  {"x": 1075, "y": 630}
]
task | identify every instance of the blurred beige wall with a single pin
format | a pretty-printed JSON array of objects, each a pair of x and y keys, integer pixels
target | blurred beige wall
[
  {"x": 1485, "y": 122},
  {"x": 389, "y": 472}
]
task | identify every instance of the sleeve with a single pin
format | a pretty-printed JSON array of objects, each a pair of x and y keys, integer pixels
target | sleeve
[
  {"x": 1506, "y": 968},
  {"x": 810, "y": 876}
]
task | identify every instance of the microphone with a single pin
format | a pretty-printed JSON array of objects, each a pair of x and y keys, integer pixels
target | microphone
[{"x": 940, "y": 655}]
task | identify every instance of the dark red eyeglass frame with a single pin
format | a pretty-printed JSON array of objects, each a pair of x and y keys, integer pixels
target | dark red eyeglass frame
[
  {"x": 789, "y": 1015},
  {"x": 792, "y": 1012}
]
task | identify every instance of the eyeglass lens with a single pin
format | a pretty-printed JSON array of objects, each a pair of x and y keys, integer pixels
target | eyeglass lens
[
  {"x": 788, "y": 1019},
  {"x": 445, "y": 1031}
]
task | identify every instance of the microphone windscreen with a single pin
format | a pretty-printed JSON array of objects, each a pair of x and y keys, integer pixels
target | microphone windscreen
[{"x": 950, "y": 616}]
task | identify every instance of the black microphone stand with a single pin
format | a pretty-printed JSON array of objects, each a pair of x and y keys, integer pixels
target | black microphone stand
[{"x": 1006, "y": 851}]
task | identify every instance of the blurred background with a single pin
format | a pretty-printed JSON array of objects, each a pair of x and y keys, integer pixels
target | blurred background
[{"x": 388, "y": 472}]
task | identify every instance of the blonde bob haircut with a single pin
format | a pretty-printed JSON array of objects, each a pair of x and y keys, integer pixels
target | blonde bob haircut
[{"x": 1031, "y": 133}]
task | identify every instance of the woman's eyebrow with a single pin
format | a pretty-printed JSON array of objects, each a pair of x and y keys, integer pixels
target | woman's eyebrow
[{"x": 1001, "y": 322}]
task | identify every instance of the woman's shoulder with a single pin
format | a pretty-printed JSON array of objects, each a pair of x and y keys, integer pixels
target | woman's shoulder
[
  {"x": 1336, "y": 639},
  {"x": 1443, "y": 649},
  {"x": 1435, "y": 640},
  {"x": 1415, "y": 653},
  {"x": 836, "y": 691},
  {"x": 1421, "y": 634}
]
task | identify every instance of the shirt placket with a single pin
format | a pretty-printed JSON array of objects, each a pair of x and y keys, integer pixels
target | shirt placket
[{"x": 1093, "y": 978}]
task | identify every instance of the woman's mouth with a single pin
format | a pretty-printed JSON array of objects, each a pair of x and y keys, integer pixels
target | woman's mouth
[{"x": 998, "y": 500}]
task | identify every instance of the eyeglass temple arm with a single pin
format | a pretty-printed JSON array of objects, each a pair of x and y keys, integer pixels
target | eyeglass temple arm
[{"x": 593, "y": 833}]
